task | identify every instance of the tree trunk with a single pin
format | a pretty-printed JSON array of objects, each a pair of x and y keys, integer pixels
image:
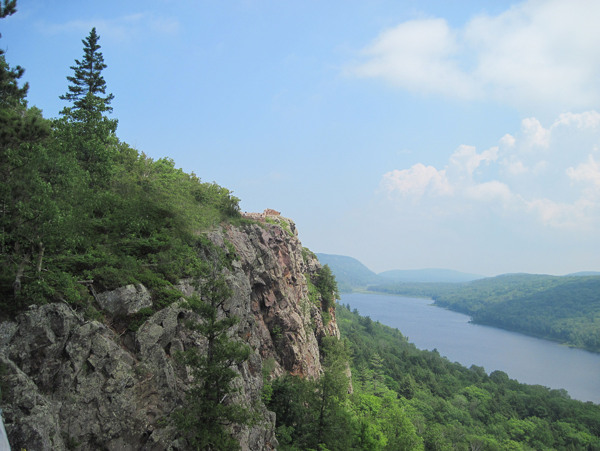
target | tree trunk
[
  {"x": 19, "y": 275},
  {"x": 41, "y": 249}
]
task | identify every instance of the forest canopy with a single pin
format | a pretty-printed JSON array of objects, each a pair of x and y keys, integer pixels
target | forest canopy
[
  {"x": 561, "y": 308},
  {"x": 78, "y": 204}
]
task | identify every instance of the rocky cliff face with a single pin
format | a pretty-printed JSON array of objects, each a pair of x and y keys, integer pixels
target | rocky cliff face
[{"x": 72, "y": 383}]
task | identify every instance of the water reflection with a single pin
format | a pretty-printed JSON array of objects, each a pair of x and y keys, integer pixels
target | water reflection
[{"x": 527, "y": 359}]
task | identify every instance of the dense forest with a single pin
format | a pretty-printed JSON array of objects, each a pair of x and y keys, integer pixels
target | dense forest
[
  {"x": 454, "y": 407},
  {"x": 403, "y": 398},
  {"x": 79, "y": 205},
  {"x": 561, "y": 308}
]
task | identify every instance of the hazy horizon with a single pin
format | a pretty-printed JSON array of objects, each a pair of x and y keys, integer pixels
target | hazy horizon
[
  {"x": 460, "y": 135},
  {"x": 452, "y": 269}
]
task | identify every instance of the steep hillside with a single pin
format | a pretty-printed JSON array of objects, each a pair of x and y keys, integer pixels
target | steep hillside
[
  {"x": 71, "y": 382},
  {"x": 353, "y": 275},
  {"x": 350, "y": 273}
]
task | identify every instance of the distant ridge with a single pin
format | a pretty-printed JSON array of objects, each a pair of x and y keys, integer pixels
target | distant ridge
[
  {"x": 428, "y": 276},
  {"x": 349, "y": 272},
  {"x": 353, "y": 275},
  {"x": 584, "y": 273}
]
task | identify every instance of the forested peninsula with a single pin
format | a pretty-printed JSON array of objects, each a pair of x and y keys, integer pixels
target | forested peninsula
[
  {"x": 140, "y": 310},
  {"x": 560, "y": 308}
]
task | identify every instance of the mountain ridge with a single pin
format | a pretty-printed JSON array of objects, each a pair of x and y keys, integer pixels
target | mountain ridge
[{"x": 353, "y": 275}]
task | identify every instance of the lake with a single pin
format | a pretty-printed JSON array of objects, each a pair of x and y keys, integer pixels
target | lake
[{"x": 529, "y": 360}]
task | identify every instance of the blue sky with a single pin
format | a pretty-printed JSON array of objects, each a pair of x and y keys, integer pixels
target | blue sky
[{"x": 407, "y": 134}]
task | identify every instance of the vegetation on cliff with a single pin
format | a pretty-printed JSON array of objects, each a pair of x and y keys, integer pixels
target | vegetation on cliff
[
  {"x": 77, "y": 204},
  {"x": 205, "y": 417}
]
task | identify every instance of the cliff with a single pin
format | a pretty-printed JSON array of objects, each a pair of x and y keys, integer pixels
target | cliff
[{"x": 74, "y": 383}]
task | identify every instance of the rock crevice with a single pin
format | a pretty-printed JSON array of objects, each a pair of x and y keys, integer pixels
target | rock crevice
[{"x": 71, "y": 383}]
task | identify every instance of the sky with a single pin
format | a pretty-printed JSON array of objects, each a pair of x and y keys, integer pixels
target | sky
[{"x": 407, "y": 134}]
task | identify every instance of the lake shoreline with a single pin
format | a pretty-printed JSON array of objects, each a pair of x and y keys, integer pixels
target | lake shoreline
[
  {"x": 530, "y": 360},
  {"x": 481, "y": 323}
]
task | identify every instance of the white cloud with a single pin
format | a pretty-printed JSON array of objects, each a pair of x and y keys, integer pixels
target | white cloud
[
  {"x": 548, "y": 174},
  {"x": 537, "y": 53},
  {"x": 489, "y": 192},
  {"x": 466, "y": 158},
  {"x": 417, "y": 181},
  {"x": 535, "y": 133},
  {"x": 419, "y": 55},
  {"x": 586, "y": 172},
  {"x": 507, "y": 140},
  {"x": 588, "y": 119},
  {"x": 576, "y": 216},
  {"x": 514, "y": 166}
]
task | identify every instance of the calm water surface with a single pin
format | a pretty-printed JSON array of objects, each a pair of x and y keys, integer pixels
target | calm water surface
[{"x": 527, "y": 359}]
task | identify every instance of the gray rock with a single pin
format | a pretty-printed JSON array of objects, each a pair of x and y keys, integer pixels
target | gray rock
[
  {"x": 73, "y": 383},
  {"x": 126, "y": 300}
]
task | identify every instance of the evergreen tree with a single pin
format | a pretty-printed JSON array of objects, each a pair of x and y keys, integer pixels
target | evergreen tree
[
  {"x": 208, "y": 410},
  {"x": 87, "y": 82},
  {"x": 327, "y": 286},
  {"x": 84, "y": 128},
  {"x": 333, "y": 420},
  {"x": 7, "y": 8},
  {"x": 11, "y": 95}
]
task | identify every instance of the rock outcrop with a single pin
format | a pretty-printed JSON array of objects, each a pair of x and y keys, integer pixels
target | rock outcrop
[{"x": 73, "y": 383}]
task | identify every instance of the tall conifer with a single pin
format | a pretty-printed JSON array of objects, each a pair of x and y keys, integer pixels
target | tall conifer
[
  {"x": 84, "y": 127},
  {"x": 87, "y": 85}
]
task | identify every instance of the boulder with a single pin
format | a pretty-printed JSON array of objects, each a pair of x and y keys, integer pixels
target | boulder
[{"x": 126, "y": 300}]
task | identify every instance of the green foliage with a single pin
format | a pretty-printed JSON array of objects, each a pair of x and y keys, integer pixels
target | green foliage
[
  {"x": 313, "y": 414},
  {"x": 313, "y": 292},
  {"x": 8, "y": 7},
  {"x": 87, "y": 82},
  {"x": 327, "y": 287},
  {"x": 10, "y": 92},
  {"x": 285, "y": 225},
  {"x": 306, "y": 253},
  {"x": 565, "y": 309},
  {"x": 323, "y": 291},
  {"x": 321, "y": 414},
  {"x": 453, "y": 407},
  {"x": 142, "y": 227},
  {"x": 267, "y": 390},
  {"x": 84, "y": 126},
  {"x": 208, "y": 411},
  {"x": 78, "y": 204}
]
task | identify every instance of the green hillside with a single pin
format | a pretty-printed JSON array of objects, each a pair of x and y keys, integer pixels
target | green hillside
[
  {"x": 561, "y": 308},
  {"x": 454, "y": 407},
  {"x": 349, "y": 272},
  {"x": 353, "y": 275}
]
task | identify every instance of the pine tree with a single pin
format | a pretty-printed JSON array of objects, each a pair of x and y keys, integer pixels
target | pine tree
[
  {"x": 84, "y": 127},
  {"x": 8, "y": 7},
  {"x": 208, "y": 411},
  {"x": 11, "y": 95},
  {"x": 87, "y": 82}
]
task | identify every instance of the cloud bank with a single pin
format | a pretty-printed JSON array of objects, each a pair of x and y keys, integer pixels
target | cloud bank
[
  {"x": 535, "y": 54},
  {"x": 549, "y": 174}
]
